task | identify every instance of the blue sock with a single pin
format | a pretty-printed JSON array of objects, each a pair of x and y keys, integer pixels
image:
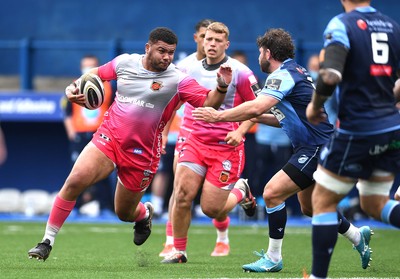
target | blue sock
[
  {"x": 391, "y": 213},
  {"x": 324, "y": 237},
  {"x": 277, "y": 217},
  {"x": 344, "y": 224}
]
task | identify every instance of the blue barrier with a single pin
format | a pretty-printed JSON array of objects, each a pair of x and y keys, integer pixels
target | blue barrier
[{"x": 31, "y": 51}]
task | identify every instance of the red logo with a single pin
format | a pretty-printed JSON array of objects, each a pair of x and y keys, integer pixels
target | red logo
[
  {"x": 362, "y": 24},
  {"x": 145, "y": 183},
  {"x": 156, "y": 85},
  {"x": 224, "y": 176},
  {"x": 380, "y": 70}
]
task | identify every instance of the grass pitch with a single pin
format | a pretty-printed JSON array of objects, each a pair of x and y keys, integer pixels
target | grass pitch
[{"x": 107, "y": 251}]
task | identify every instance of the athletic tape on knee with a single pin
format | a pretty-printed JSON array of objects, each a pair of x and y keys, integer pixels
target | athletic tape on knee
[
  {"x": 331, "y": 183},
  {"x": 368, "y": 188}
]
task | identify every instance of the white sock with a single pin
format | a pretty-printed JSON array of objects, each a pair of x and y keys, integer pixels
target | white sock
[
  {"x": 275, "y": 249},
  {"x": 50, "y": 234},
  {"x": 158, "y": 203},
  {"x": 222, "y": 236},
  {"x": 169, "y": 240},
  {"x": 353, "y": 234}
]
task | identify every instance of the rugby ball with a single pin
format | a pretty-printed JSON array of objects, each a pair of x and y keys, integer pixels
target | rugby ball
[{"x": 92, "y": 87}]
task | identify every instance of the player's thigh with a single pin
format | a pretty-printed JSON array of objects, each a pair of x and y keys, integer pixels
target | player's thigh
[
  {"x": 187, "y": 182},
  {"x": 91, "y": 166}
]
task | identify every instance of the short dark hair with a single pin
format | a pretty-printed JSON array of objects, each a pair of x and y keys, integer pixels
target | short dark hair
[
  {"x": 279, "y": 42},
  {"x": 163, "y": 34},
  {"x": 203, "y": 23}
]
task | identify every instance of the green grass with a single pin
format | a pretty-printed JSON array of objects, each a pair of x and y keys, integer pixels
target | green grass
[{"x": 107, "y": 251}]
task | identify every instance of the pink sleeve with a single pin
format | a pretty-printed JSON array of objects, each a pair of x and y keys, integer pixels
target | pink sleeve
[
  {"x": 107, "y": 71},
  {"x": 192, "y": 92},
  {"x": 245, "y": 85}
]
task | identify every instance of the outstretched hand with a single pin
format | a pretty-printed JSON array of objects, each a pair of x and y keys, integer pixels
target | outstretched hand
[
  {"x": 207, "y": 114},
  {"x": 224, "y": 75}
]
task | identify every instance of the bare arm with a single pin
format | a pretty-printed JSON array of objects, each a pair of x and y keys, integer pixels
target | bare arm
[
  {"x": 235, "y": 137},
  {"x": 244, "y": 111},
  {"x": 267, "y": 119}
]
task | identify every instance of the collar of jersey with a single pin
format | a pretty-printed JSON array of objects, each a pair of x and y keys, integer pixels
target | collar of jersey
[{"x": 213, "y": 67}]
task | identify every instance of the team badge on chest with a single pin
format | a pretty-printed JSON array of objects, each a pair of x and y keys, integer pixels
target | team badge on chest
[{"x": 156, "y": 85}]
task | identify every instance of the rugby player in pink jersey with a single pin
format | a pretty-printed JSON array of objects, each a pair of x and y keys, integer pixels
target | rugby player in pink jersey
[
  {"x": 186, "y": 120},
  {"x": 212, "y": 157},
  {"x": 149, "y": 88}
]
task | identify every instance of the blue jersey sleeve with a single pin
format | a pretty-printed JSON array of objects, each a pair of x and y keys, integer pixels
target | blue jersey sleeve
[{"x": 336, "y": 32}]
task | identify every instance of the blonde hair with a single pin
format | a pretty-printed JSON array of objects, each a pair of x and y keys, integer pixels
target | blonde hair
[{"x": 219, "y": 27}]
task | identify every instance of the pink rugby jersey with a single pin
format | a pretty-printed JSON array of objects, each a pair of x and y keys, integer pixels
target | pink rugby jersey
[
  {"x": 144, "y": 103},
  {"x": 185, "y": 65},
  {"x": 243, "y": 88}
]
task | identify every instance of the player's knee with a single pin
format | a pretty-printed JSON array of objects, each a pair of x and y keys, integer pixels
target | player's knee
[
  {"x": 210, "y": 212},
  {"x": 122, "y": 215},
  {"x": 306, "y": 210},
  {"x": 270, "y": 195}
]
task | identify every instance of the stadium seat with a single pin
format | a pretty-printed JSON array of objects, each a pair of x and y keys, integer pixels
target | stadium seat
[
  {"x": 10, "y": 200},
  {"x": 35, "y": 202}
]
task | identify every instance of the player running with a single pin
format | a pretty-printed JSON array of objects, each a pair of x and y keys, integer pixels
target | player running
[
  {"x": 287, "y": 92},
  {"x": 149, "y": 88}
]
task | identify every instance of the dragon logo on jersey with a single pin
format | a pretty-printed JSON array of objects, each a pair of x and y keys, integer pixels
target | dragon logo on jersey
[
  {"x": 156, "y": 85},
  {"x": 145, "y": 183},
  {"x": 273, "y": 83},
  {"x": 224, "y": 176}
]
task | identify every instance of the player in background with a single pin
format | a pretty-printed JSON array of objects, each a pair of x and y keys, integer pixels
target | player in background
[
  {"x": 287, "y": 92},
  {"x": 80, "y": 123},
  {"x": 149, "y": 88},
  {"x": 185, "y": 119},
  {"x": 362, "y": 55},
  {"x": 212, "y": 157}
]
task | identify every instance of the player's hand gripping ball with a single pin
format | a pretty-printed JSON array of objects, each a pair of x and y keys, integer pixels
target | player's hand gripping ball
[{"x": 93, "y": 89}]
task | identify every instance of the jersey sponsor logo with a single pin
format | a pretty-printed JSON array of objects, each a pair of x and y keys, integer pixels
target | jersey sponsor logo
[
  {"x": 227, "y": 165},
  {"x": 156, "y": 85},
  {"x": 103, "y": 136},
  {"x": 302, "y": 159},
  {"x": 380, "y": 70},
  {"x": 138, "y": 151},
  {"x": 134, "y": 101},
  {"x": 378, "y": 149},
  {"x": 224, "y": 176},
  {"x": 277, "y": 113},
  {"x": 362, "y": 24},
  {"x": 273, "y": 83}
]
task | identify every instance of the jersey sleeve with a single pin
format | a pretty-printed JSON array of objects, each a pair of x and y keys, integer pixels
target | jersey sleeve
[
  {"x": 335, "y": 32},
  {"x": 192, "y": 92},
  {"x": 108, "y": 70},
  {"x": 278, "y": 84},
  {"x": 247, "y": 85}
]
